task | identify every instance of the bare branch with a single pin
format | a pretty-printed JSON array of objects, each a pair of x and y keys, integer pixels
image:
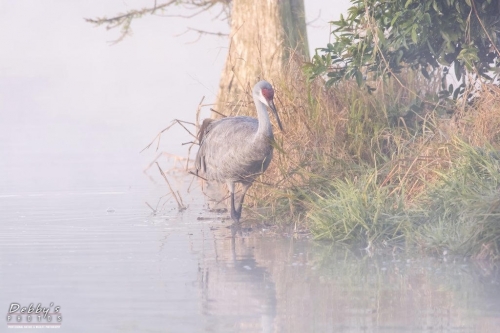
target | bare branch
[
  {"x": 203, "y": 32},
  {"x": 314, "y": 20},
  {"x": 177, "y": 197},
  {"x": 154, "y": 210},
  {"x": 197, "y": 175},
  {"x": 181, "y": 122},
  {"x": 188, "y": 16},
  {"x": 158, "y": 136},
  {"x": 220, "y": 114},
  {"x": 124, "y": 21}
]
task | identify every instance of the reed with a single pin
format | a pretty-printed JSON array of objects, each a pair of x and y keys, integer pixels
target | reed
[{"x": 386, "y": 167}]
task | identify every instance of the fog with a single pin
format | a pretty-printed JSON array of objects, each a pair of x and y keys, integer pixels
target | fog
[
  {"x": 76, "y": 110},
  {"x": 84, "y": 228}
]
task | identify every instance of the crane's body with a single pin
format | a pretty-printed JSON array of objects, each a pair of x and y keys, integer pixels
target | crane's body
[
  {"x": 238, "y": 149},
  {"x": 231, "y": 151}
]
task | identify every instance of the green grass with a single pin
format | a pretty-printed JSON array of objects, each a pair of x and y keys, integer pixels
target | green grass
[
  {"x": 358, "y": 210},
  {"x": 461, "y": 212},
  {"x": 385, "y": 168}
]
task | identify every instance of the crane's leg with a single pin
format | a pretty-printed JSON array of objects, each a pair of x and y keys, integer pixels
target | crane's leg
[
  {"x": 234, "y": 214},
  {"x": 246, "y": 186}
]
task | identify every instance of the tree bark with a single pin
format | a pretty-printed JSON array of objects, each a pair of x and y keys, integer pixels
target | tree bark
[{"x": 264, "y": 34}]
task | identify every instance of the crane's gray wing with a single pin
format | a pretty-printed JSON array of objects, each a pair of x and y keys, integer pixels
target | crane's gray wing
[{"x": 227, "y": 149}]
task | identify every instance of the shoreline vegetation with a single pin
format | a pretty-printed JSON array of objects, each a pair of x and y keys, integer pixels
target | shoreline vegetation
[
  {"x": 391, "y": 167},
  {"x": 406, "y": 159}
]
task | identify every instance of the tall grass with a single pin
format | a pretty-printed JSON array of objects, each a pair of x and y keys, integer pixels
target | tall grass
[
  {"x": 358, "y": 210},
  {"x": 385, "y": 167},
  {"x": 462, "y": 210}
]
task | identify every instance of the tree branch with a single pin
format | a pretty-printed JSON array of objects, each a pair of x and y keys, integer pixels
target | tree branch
[{"x": 125, "y": 20}]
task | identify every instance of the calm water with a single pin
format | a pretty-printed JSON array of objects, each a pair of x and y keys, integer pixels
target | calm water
[{"x": 112, "y": 266}]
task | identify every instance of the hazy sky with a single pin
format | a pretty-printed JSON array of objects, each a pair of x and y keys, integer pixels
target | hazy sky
[{"x": 72, "y": 106}]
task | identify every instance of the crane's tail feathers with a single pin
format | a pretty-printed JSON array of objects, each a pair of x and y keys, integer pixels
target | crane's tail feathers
[
  {"x": 204, "y": 129},
  {"x": 200, "y": 158}
]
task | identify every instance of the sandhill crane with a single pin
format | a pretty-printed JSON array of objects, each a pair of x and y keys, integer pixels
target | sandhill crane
[{"x": 238, "y": 149}]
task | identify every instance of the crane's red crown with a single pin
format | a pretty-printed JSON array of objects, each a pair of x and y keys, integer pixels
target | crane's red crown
[{"x": 268, "y": 93}]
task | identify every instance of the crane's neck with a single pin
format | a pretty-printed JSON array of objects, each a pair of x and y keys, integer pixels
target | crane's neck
[{"x": 265, "y": 128}]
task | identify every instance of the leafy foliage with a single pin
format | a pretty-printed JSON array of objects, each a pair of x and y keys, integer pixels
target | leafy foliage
[{"x": 381, "y": 37}]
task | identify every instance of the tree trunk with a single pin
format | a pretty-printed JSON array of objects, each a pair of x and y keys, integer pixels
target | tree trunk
[{"x": 264, "y": 33}]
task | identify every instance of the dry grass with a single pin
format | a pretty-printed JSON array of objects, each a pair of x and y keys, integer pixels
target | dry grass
[{"x": 355, "y": 166}]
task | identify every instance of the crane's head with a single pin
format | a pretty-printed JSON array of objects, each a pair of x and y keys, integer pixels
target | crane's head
[{"x": 264, "y": 91}]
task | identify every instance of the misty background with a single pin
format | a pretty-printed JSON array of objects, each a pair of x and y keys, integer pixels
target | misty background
[{"x": 75, "y": 111}]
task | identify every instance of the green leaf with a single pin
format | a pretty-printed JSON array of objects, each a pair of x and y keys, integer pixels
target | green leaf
[
  {"x": 427, "y": 18},
  {"x": 425, "y": 74},
  {"x": 331, "y": 82},
  {"x": 486, "y": 76},
  {"x": 430, "y": 48},
  {"x": 456, "y": 93},
  {"x": 395, "y": 18},
  {"x": 337, "y": 23},
  {"x": 381, "y": 36},
  {"x": 445, "y": 35},
  {"x": 359, "y": 78},
  {"x": 423, "y": 34},
  {"x": 443, "y": 93},
  {"x": 435, "y": 6},
  {"x": 458, "y": 69},
  {"x": 414, "y": 37},
  {"x": 399, "y": 56}
]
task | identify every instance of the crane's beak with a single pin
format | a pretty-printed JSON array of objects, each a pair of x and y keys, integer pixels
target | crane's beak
[{"x": 273, "y": 108}]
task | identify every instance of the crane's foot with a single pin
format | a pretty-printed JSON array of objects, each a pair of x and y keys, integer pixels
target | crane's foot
[
  {"x": 235, "y": 216},
  {"x": 238, "y": 214}
]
